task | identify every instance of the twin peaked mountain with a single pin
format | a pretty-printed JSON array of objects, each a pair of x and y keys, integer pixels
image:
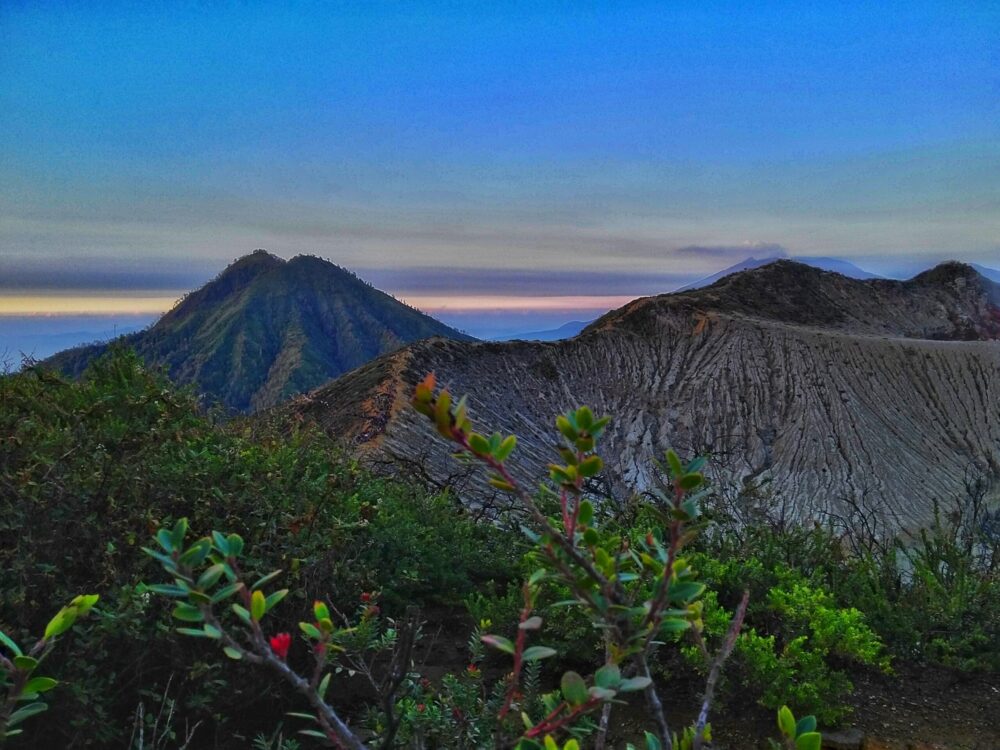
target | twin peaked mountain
[{"x": 266, "y": 329}]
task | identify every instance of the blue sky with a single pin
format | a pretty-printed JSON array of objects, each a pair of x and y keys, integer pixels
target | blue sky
[{"x": 142, "y": 147}]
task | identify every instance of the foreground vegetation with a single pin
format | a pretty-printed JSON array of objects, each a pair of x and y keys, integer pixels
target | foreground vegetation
[{"x": 90, "y": 470}]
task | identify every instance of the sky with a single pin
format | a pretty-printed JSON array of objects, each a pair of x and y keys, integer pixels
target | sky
[{"x": 541, "y": 159}]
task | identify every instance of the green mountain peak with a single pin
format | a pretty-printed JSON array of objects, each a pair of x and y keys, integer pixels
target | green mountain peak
[{"x": 266, "y": 329}]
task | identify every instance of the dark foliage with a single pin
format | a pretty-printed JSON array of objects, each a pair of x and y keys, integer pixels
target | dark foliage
[{"x": 89, "y": 469}]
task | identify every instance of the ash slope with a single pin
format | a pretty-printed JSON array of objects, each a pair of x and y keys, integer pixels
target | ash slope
[
  {"x": 266, "y": 329},
  {"x": 829, "y": 387}
]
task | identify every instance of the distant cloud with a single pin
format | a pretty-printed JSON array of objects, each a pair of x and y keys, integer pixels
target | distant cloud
[
  {"x": 103, "y": 274},
  {"x": 521, "y": 282}
]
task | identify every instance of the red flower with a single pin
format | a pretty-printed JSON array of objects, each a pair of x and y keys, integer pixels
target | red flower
[
  {"x": 280, "y": 644},
  {"x": 366, "y": 597},
  {"x": 421, "y": 707}
]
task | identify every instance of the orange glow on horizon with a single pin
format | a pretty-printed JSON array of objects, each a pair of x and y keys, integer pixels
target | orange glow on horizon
[
  {"x": 101, "y": 303},
  {"x": 486, "y": 303},
  {"x": 82, "y": 304}
]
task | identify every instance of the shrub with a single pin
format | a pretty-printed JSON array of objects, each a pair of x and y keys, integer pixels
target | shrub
[
  {"x": 89, "y": 468},
  {"x": 633, "y": 596}
]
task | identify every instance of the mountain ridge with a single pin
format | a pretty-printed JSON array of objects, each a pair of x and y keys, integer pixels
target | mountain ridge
[
  {"x": 823, "y": 263},
  {"x": 802, "y": 392}
]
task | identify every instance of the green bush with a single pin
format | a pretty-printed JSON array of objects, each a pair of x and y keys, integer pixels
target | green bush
[
  {"x": 89, "y": 468},
  {"x": 932, "y": 596}
]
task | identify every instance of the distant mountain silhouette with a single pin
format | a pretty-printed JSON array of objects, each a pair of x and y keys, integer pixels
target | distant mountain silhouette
[
  {"x": 843, "y": 267},
  {"x": 266, "y": 329},
  {"x": 990, "y": 273},
  {"x": 565, "y": 331}
]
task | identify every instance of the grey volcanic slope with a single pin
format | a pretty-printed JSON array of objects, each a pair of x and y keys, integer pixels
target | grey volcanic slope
[{"x": 829, "y": 387}]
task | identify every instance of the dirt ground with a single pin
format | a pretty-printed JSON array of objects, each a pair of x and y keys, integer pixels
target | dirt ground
[{"x": 914, "y": 709}]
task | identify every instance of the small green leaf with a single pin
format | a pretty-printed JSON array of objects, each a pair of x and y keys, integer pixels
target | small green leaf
[
  {"x": 310, "y": 630},
  {"x": 62, "y": 622},
  {"x": 809, "y": 741},
  {"x": 633, "y": 684},
  {"x": 324, "y": 684},
  {"x": 674, "y": 625},
  {"x": 194, "y": 632},
  {"x": 258, "y": 605},
  {"x": 188, "y": 613},
  {"x": 586, "y": 513},
  {"x": 674, "y": 462},
  {"x": 242, "y": 613},
  {"x": 165, "y": 541},
  {"x": 221, "y": 542},
  {"x": 574, "y": 689},
  {"x": 9, "y": 643},
  {"x": 25, "y": 663},
  {"x": 274, "y": 598},
  {"x": 506, "y": 448},
  {"x": 479, "y": 444},
  {"x": 501, "y": 484},
  {"x": 652, "y": 743},
  {"x": 602, "y": 694},
  {"x": 532, "y": 623},
  {"x": 498, "y": 642},
  {"x": 24, "y": 713},
  {"x": 591, "y": 466},
  {"x": 210, "y": 577},
  {"x": 195, "y": 554},
  {"x": 264, "y": 580},
  {"x": 178, "y": 533},
  {"x": 232, "y": 653},
  {"x": 685, "y": 591},
  {"x": 786, "y": 721},
  {"x": 535, "y": 653},
  {"x": 235, "y": 545},
  {"x": 225, "y": 592},
  {"x": 165, "y": 560},
  {"x": 690, "y": 481},
  {"x": 696, "y": 465},
  {"x": 805, "y": 725},
  {"x": 567, "y": 429},
  {"x": 608, "y": 676},
  {"x": 39, "y": 685}
]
